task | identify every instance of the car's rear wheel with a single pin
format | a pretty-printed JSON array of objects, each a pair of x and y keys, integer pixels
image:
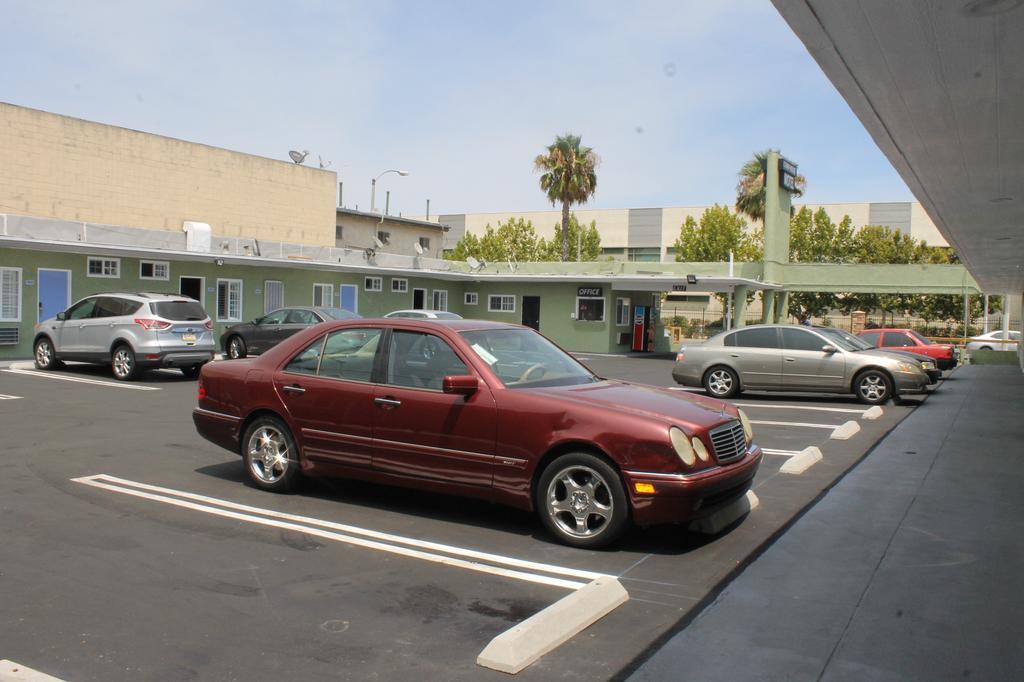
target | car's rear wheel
[
  {"x": 123, "y": 364},
  {"x": 192, "y": 371},
  {"x": 271, "y": 456},
  {"x": 985, "y": 348},
  {"x": 236, "y": 348},
  {"x": 873, "y": 387},
  {"x": 721, "y": 382},
  {"x": 581, "y": 501},
  {"x": 46, "y": 355}
]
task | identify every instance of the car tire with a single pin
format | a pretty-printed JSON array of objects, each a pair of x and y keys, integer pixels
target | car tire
[
  {"x": 873, "y": 387},
  {"x": 236, "y": 348},
  {"x": 192, "y": 371},
  {"x": 601, "y": 511},
  {"x": 122, "y": 363},
  {"x": 985, "y": 348},
  {"x": 45, "y": 354},
  {"x": 721, "y": 382},
  {"x": 271, "y": 455}
]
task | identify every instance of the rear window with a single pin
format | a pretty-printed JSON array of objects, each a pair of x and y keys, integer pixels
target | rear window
[{"x": 179, "y": 311}]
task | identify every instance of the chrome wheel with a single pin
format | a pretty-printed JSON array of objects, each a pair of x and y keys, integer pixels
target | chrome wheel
[
  {"x": 268, "y": 454},
  {"x": 720, "y": 382},
  {"x": 873, "y": 388},
  {"x": 123, "y": 363},
  {"x": 579, "y": 501},
  {"x": 236, "y": 349},
  {"x": 44, "y": 354}
]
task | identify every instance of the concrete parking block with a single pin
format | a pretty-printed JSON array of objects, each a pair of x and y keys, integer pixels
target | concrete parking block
[
  {"x": 514, "y": 649},
  {"x": 799, "y": 463},
  {"x": 873, "y": 412},
  {"x": 845, "y": 431},
  {"x": 724, "y": 517},
  {"x": 15, "y": 672}
]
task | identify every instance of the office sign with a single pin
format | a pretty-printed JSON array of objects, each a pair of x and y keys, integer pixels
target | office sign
[{"x": 589, "y": 291}]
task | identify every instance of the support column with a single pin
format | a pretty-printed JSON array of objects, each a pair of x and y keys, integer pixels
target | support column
[
  {"x": 767, "y": 306},
  {"x": 739, "y": 307},
  {"x": 781, "y": 307}
]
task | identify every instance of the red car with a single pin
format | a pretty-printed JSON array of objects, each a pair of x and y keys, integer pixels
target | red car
[
  {"x": 909, "y": 340},
  {"x": 480, "y": 409}
]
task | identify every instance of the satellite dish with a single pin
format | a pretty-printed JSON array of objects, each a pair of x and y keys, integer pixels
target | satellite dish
[
  {"x": 418, "y": 247},
  {"x": 298, "y": 157},
  {"x": 473, "y": 263},
  {"x": 378, "y": 243}
]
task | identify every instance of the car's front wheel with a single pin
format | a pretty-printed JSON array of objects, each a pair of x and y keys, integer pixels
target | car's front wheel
[
  {"x": 46, "y": 355},
  {"x": 236, "y": 348},
  {"x": 581, "y": 501},
  {"x": 873, "y": 387},
  {"x": 123, "y": 364},
  {"x": 721, "y": 382},
  {"x": 271, "y": 456}
]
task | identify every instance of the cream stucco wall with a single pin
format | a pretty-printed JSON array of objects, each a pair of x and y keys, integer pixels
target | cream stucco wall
[
  {"x": 358, "y": 231},
  {"x": 61, "y": 167}
]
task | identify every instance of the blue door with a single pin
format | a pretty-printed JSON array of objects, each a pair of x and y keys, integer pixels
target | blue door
[
  {"x": 349, "y": 301},
  {"x": 54, "y": 292}
]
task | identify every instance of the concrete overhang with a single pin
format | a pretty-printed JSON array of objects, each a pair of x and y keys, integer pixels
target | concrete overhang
[
  {"x": 940, "y": 88},
  {"x": 394, "y": 219}
]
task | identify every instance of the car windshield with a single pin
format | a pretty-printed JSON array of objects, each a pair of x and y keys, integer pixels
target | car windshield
[
  {"x": 340, "y": 314},
  {"x": 844, "y": 340},
  {"x": 441, "y": 315},
  {"x": 921, "y": 339},
  {"x": 522, "y": 358},
  {"x": 179, "y": 311}
]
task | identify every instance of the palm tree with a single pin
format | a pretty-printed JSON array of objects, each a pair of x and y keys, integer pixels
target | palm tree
[
  {"x": 568, "y": 177},
  {"x": 750, "y": 188}
]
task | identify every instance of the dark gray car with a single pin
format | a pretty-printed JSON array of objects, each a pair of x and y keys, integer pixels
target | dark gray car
[
  {"x": 265, "y": 332},
  {"x": 796, "y": 358}
]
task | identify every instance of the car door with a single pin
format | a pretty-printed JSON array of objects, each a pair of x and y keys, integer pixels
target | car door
[
  {"x": 68, "y": 334},
  {"x": 423, "y": 433},
  {"x": 266, "y": 330},
  {"x": 328, "y": 391},
  {"x": 805, "y": 366},
  {"x": 756, "y": 352}
]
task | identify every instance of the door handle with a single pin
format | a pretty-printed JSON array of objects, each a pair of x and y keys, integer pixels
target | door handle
[
  {"x": 790, "y": 359},
  {"x": 294, "y": 388},
  {"x": 390, "y": 402},
  {"x": 734, "y": 355}
]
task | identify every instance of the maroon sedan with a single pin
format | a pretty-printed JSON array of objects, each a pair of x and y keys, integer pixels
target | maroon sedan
[{"x": 480, "y": 409}]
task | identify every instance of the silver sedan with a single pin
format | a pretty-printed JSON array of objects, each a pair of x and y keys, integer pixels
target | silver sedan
[
  {"x": 797, "y": 358},
  {"x": 997, "y": 340}
]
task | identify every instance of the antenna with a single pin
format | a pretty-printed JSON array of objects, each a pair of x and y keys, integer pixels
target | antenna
[
  {"x": 323, "y": 164},
  {"x": 298, "y": 157},
  {"x": 418, "y": 247}
]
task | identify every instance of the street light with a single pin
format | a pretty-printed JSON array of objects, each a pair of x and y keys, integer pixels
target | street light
[{"x": 373, "y": 187}]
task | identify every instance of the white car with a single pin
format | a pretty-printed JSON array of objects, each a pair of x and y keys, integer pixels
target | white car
[
  {"x": 425, "y": 314},
  {"x": 997, "y": 340}
]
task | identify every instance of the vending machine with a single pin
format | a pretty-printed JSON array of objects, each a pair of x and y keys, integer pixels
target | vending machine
[{"x": 643, "y": 329}]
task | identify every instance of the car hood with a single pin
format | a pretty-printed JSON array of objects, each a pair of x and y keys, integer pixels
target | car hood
[
  {"x": 901, "y": 355},
  {"x": 674, "y": 407}
]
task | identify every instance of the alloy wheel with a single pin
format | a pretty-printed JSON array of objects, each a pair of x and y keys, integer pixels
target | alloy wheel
[
  {"x": 44, "y": 353},
  {"x": 579, "y": 501},
  {"x": 123, "y": 363},
  {"x": 235, "y": 348},
  {"x": 268, "y": 454},
  {"x": 873, "y": 387},
  {"x": 720, "y": 382}
]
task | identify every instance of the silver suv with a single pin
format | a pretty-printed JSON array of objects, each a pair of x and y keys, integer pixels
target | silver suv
[{"x": 131, "y": 332}]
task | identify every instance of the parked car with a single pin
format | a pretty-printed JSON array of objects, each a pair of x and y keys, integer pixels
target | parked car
[
  {"x": 997, "y": 340},
  {"x": 796, "y": 358},
  {"x": 265, "y": 332},
  {"x": 424, "y": 314},
  {"x": 927, "y": 364},
  {"x": 130, "y": 331},
  {"x": 480, "y": 409},
  {"x": 944, "y": 354}
]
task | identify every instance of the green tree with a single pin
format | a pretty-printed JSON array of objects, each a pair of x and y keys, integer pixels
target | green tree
[
  {"x": 750, "y": 194},
  {"x": 514, "y": 239},
  {"x": 567, "y": 177},
  {"x": 815, "y": 238},
  {"x": 584, "y": 239},
  {"x": 719, "y": 232}
]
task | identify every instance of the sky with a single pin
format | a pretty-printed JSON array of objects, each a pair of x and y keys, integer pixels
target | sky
[{"x": 673, "y": 96}]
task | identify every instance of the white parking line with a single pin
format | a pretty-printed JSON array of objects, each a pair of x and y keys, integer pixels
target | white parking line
[
  {"x": 684, "y": 388},
  {"x": 9, "y": 397},
  {"x": 784, "y": 453},
  {"x": 80, "y": 380},
  {"x": 806, "y": 425},
  {"x": 382, "y": 541},
  {"x": 802, "y": 407}
]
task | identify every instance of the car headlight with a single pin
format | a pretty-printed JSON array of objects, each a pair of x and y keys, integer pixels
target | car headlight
[
  {"x": 748, "y": 429},
  {"x": 682, "y": 446},
  {"x": 928, "y": 365},
  {"x": 905, "y": 367},
  {"x": 698, "y": 447}
]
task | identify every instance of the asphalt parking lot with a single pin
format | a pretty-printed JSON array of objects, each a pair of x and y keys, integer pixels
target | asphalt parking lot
[{"x": 133, "y": 549}]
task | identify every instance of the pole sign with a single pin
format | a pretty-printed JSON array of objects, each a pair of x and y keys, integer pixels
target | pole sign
[
  {"x": 787, "y": 174},
  {"x": 589, "y": 291}
]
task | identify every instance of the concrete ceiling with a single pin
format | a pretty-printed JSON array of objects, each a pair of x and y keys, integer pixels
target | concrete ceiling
[{"x": 940, "y": 88}]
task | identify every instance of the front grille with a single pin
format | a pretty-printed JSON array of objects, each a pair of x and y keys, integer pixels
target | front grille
[{"x": 729, "y": 442}]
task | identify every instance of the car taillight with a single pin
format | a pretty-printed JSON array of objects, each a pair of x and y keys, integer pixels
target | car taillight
[
  {"x": 200, "y": 389},
  {"x": 680, "y": 354},
  {"x": 209, "y": 325},
  {"x": 152, "y": 325}
]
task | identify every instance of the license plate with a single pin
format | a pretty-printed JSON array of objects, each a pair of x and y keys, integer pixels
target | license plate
[{"x": 188, "y": 338}]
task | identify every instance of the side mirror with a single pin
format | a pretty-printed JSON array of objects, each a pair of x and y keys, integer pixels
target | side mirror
[
  {"x": 61, "y": 317},
  {"x": 829, "y": 348},
  {"x": 460, "y": 384}
]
